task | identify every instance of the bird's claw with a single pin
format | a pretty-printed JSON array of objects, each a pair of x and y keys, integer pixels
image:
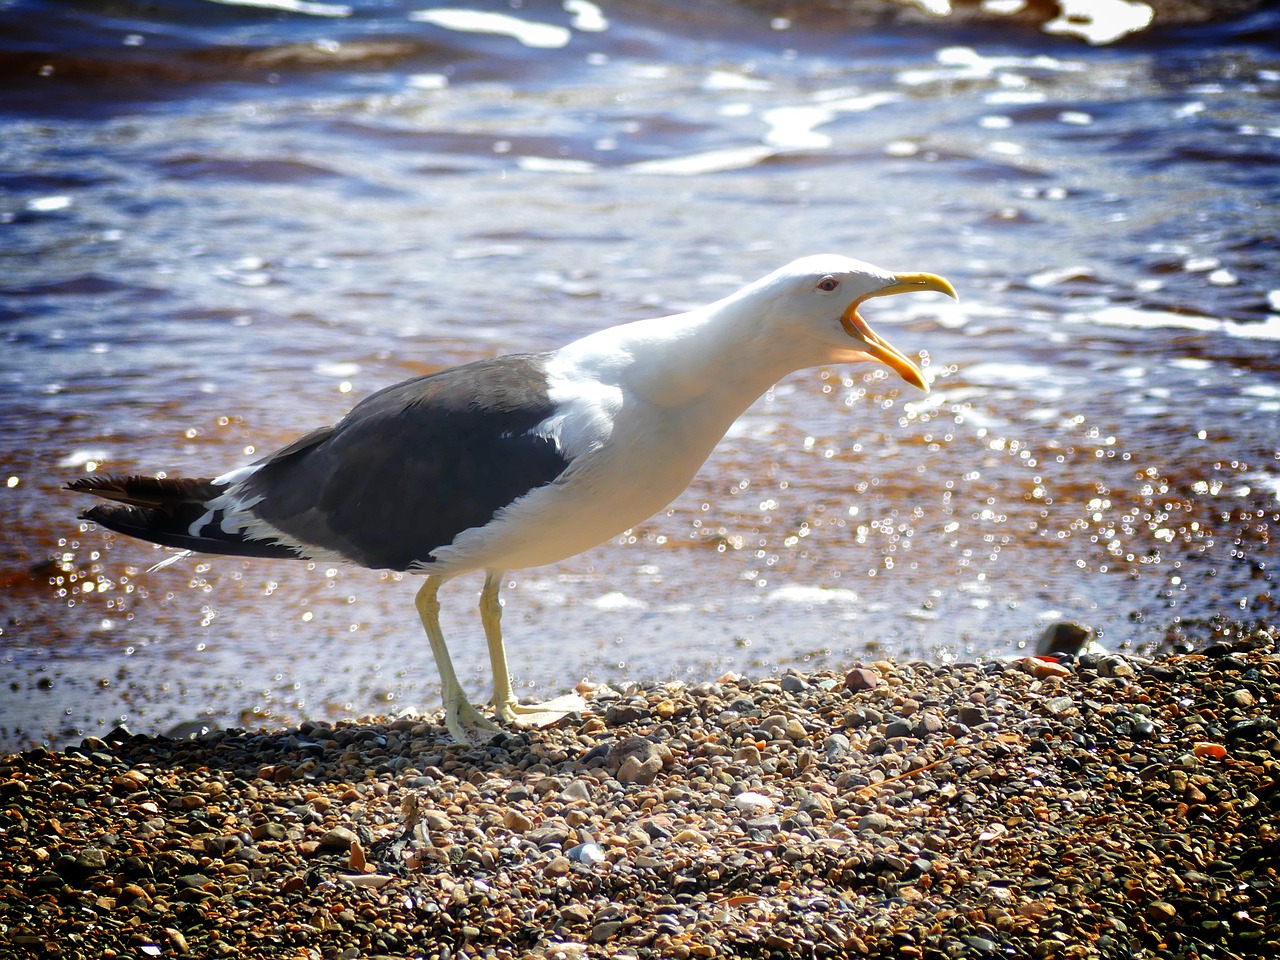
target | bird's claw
[
  {"x": 538, "y": 715},
  {"x": 468, "y": 726}
]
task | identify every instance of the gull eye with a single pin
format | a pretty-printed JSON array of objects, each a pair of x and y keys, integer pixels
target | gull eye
[{"x": 828, "y": 284}]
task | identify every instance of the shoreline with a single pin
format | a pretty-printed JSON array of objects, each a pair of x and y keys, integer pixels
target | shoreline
[{"x": 1106, "y": 806}]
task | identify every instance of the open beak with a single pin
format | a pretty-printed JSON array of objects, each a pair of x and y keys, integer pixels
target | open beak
[{"x": 879, "y": 348}]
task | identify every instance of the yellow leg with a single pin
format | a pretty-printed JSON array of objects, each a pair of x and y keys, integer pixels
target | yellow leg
[
  {"x": 465, "y": 722},
  {"x": 508, "y": 709}
]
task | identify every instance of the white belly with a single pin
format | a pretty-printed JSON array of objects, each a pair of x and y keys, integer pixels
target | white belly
[{"x": 609, "y": 490}]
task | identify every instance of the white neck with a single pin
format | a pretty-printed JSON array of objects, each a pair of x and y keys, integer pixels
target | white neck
[{"x": 725, "y": 355}]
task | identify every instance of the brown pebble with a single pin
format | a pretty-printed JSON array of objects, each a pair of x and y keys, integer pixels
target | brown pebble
[
  {"x": 517, "y": 822},
  {"x": 357, "y": 860},
  {"x": 557, "y": 867},
  {"x": 690, "y": 835},
  {"x": 130, "y": 780},
  {"x": 131, "y": 892},
  {"x": 437, "y": 821},
  {"x": 1043, "y": 669},
  {"x": 1159, "y": 910},
  {"x": 750, "y": 755},
  {"x": 339, "y": 838},
  {"x": 861, "y": 678},
  {"x": 178, "y": 940},
  {"x": 634, "y": 770}
]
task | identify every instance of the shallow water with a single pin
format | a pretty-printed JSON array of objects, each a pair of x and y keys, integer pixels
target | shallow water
[{"x": 222, "y": 229}]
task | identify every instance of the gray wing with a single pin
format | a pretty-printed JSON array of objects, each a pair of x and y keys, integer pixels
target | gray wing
[{"x": 412, "y": 466}]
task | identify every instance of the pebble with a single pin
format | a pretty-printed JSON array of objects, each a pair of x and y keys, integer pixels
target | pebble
[
  {"x": 861, "y": 678},
  {"x": 791, "y": 683},
  {"x": 875, "y": 822},
  {"x": 1107, "y": 807},
  {"x": 516, "y": 822},
  {"x": 586, "y": 853},
  {"x": 557, "y": 867},
  {"x": 752, "y": 803},
  {"x": 339, "y": 838}
]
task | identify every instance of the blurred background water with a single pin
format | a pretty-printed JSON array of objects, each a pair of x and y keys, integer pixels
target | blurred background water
[{"x": 221, "y": 223}]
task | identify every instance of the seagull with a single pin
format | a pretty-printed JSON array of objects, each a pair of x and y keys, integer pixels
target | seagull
[{"x": 520, "y": 460}]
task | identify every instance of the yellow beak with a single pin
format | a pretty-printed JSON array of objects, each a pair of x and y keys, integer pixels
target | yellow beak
[{"x": 880, "y": 348}]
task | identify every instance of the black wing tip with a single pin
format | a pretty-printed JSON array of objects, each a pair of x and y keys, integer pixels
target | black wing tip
[
  {"x": 98, "y": 510},
  {"x": 93, "y": 484}
]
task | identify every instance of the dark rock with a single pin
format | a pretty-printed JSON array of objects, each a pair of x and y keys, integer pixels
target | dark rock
[
  {"x": 793, "y": 684},
  {"x": 898, "y": 728}
]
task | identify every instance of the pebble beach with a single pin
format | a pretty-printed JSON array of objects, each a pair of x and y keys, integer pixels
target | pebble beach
[{"x": 1093, "y": 806}]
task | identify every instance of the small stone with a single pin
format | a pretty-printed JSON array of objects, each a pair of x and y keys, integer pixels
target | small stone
[
  {"x": 752, "y": 803},
  {"x": 131, "y": 892},
  {"x": 557, "y": 867},
  {"x": 1116, "y": 666},
  {"x": 578, "y": 790},
  {"x": 1058, "y": 706},
  {"x": 517, "y": 822},
  {"x": 586, "y": 853},
  {"x": 1215, "y": 750},
  {"x": 861, "y": 678},
  {"x": 634, "y": 770},
  {"x": 575, "y": 914},
  {"x": 357, "y": 860},
  {"x": 775, "y": 725},
  {"x": 1240, "y": 699},
  {"x": 875, "y": 822},
  {"x": 898, "y": 728},
  {"x": 793, "y": 684},
  {"x": 1043, "y": 669},
  {"x": 130, "y": 780},
  {"x": 835, "y": 747},
  {"x": 605, "y": 929},
  {"x": 1066, "y": 636},
  {"x": 750, "y": 755},
  {"x": 927, "y": 724},
  {"x": 1160, "y": 911},
  {"x": 436, "y": 821},
  {"x": 92, "y": 859},
  {"x": 339, "y": 838},
  {"x": 771, "y": 823},
  {"x": 971, "y": 715},
  {"x": 178, "y": 940},
  {"x": 640, "y": 748},
  {"x": 655, "y": 830},
  {"x": 269, "y": 831}
]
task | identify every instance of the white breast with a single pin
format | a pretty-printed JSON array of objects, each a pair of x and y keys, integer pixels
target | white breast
[{"x": 629, "y": 459}]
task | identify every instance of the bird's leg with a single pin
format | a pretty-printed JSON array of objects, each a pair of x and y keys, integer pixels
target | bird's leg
[
  {"x": 504, "y": 698},
  {"x": 465, "y": 722}
]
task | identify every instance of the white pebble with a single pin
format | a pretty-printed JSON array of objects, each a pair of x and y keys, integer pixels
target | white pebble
[{"x": 753, "y": 803}]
